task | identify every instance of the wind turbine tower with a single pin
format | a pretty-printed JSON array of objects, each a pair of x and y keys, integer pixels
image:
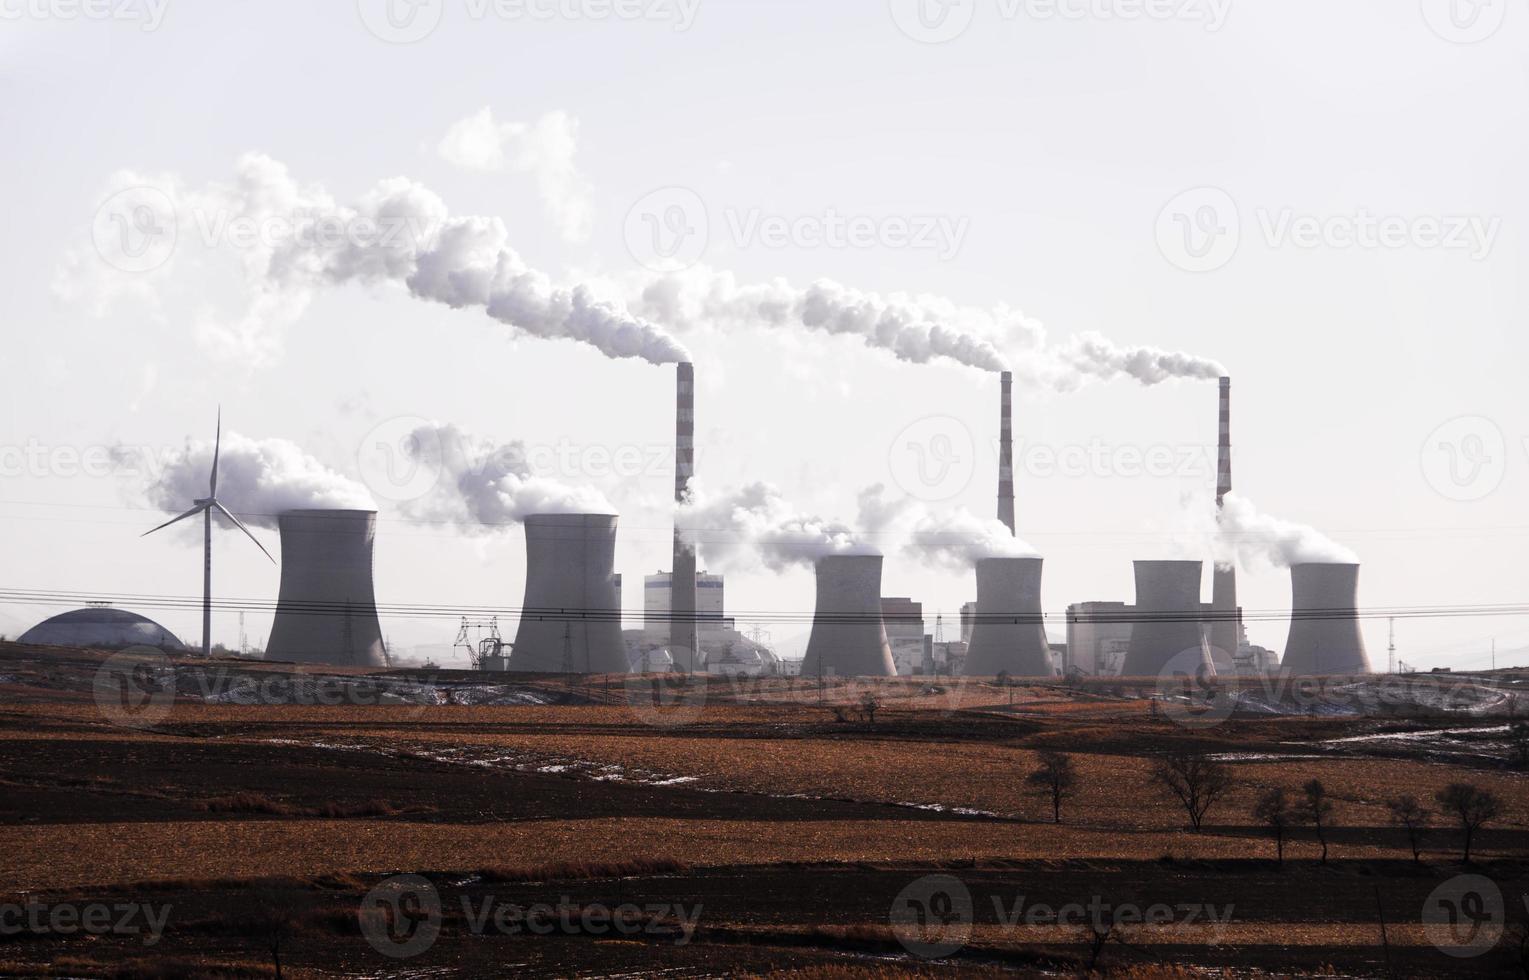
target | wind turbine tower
[{"x": 205, "y": 506}]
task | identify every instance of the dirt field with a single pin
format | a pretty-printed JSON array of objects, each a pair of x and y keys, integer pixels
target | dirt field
[{"x": 733, "y": 829}]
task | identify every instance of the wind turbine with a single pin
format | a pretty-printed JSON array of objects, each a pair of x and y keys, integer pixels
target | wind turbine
[{"x": 205, "y": 506}]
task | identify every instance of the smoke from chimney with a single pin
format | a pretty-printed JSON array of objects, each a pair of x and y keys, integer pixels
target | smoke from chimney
[
  {"x": 919, "y": 329},
  {"x": 481, "y": 487},
  {"x": 399, "y": 233},
  {"x": 257, "y": 480}
]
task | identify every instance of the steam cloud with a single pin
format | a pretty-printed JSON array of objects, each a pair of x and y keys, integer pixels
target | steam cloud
[
  {"x": 256, "y": 480},
  {"x": 544, "y": 149},
  {"x": 482, "y": 488},
  {"x": 918, "y": 329},
  {"x": 399, "y": 232},
  {"x": 756, "y": 525},
  {"x": 1252, "y": 539}
]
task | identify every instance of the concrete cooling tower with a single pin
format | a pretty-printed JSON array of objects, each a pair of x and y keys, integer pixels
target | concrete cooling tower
[
  {"x": 848, "y": 637},
  {"x": 1008, "y": 635},
  {"x": 1324, "y": 622},
  {"x": 1168, "y": 616},
  {"x": 570, "y": 621},
  {"x": 326, "y": 611}
]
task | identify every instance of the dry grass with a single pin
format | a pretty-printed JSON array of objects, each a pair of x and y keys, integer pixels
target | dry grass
[{"x": 584, "y": 870}]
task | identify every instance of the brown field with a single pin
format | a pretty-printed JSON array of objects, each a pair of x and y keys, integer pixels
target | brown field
[{"x": 790, "y": 826}]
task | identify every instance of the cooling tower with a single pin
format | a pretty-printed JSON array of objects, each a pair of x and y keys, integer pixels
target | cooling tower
[
  {"x": 684, "y": 631},
  {"x": 1007, "y": 634},
  {"x": 326, "y": 611},
  {"x": 1167, "y": 619},
  {"x": 570, "y": 621},
  {"x": 1006, "y": 454},
  {"x": 1324, "y": 622},
  {"x": 848, "y": 637},
  {"x": 1225, "y": 632}
]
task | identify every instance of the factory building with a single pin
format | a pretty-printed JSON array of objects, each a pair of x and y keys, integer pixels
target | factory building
[
  {"x": 710, "y": 607},
  {"x": 904, "y": 620}
]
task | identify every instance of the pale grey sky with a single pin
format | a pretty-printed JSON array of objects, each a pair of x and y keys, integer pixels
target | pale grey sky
[{"x": 1370, "y": 161}]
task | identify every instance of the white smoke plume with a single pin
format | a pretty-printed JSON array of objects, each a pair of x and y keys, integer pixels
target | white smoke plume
[
  {"x": 544, "y": 149},
  {"x": 1253, "y": 540},
  {"x": 483, "y": 487},
  {"x": 756, "y": 525},
  {"x": 918, "y": 329},
  {"x": 295, "y": 240},
  {"x": 257, "y": 480}
]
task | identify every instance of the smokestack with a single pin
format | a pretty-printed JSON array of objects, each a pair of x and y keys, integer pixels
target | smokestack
[
  {"x": 1324, "y": 622},
  {"x": 570, "y": 622},
  {"x": 1008, "y": 635},
  {"x": 848, "y": 636},
  {"x": 684, "y": 631},
  {"x": 1225, "y": 631},
  {"x": 1167, "y": 620},
  {"x": 326, "y": 610},
  {"x": 1006, "y": 455}
]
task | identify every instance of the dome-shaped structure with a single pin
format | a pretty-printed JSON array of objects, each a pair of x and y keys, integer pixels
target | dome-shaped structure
[{"x": 101, "y": 628}]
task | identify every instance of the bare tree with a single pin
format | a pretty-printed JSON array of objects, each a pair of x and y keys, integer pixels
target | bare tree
[
  {"x": 1273, "y": 810},
  {"x": 1408, "y": 813},
  {"x": 869, "y": 705},
  {"x": 1316, "y": 808},
  {"x": 1193, "y": 778},
  {"x": 1055, "y": 775},
  {"x": 1473, "y": 806}
]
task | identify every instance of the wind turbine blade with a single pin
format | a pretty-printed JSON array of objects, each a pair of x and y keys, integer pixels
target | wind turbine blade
[
  {"x": 190, "y": 513},
  {"x": 217, "y": 448},
  {"x": 240, "y": 525}
]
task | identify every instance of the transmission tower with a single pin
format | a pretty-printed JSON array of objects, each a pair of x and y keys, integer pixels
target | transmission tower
[{"x": 1391, "y": 649}]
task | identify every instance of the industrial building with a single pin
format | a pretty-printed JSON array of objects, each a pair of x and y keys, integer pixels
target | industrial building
[
  {"x": 1324, "y": 622},
  {"x": 1008, "y": 631},
  {"x": 904, "y": 620},
  {"x": 709, "y": 608},
  {"x": 848, "y": 638},
  {"x": 570, "y": 620},
  {"x": 100, "y": 627},
  {"x": 326, "y": 609}
]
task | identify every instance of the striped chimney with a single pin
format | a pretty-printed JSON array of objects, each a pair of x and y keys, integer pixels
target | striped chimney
[
  {"x": 1006, "y": 455},
  {"x": 684, "y": 639},
  {"x": 1225, "y": 632}
]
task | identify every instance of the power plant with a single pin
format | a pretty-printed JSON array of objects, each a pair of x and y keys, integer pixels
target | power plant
[
  {"x": 570, "y": 621},
  {"x": 1008, "y": 634},
  {"x": 1168, "y": 618},
  {"x": 848, "y": 637},
  {"x": 684, "y": 634},
  {"x": 1324, "y": 622},
  {"x": 1006, "y": 454},
  {"x": 1226, "y": 625},
  {"x": 326, "y": 609}
]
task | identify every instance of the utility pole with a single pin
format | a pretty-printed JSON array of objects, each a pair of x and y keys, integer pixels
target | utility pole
[{"x": 1391, "y": 650}]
